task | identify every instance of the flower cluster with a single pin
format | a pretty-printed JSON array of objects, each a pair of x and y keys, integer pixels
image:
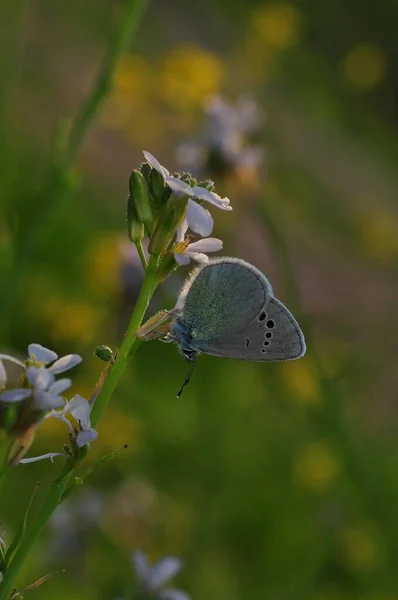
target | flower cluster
[
  {"x": 163, "y": 205},
  {"x": 37, "y": 376},
  {"x": 223, "y": 145},
  {"x": 36, "y": 395}
]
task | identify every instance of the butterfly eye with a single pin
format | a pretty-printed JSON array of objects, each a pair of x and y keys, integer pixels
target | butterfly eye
[
  {"x": 266, "y": 343},
  {"x": 270, "y": 323},
  {"x": 262, "y": 316},
  {"x": 268, "y": 335}
]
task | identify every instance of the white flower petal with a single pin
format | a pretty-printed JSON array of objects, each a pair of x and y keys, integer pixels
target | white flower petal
[
  {"x": 199, "y": 219},
  {"x": 12, "y": 359},
  {"x": 199, "y": 257},
  {"x": 181, "y": 231},
  {"x": 85, "y": 437},
  {"x": 205, "y": 245},
  {"x": 142, "y": 568},
  {"x": 80, "y": 410},
  {"x": 3, "y": 375},
  {"x": 15, "y": 395},
  {"x": 179, "y": 188},
  {"x": 50, "y": 455},
  {"x": 204, "y": 194},
  {"x": 48, "y": 401},
  {"x": 182, "y": 259},
  {"x": 65, "y": 363},
  {"x": 41, "y": 354},
  {"x": 60, "y": 386},
  {"x": 155, "y": 164},
  {"x": 164, "y": 570},
  {"x": 39, "y": 377},
  {"x": 173, "y": 594}
]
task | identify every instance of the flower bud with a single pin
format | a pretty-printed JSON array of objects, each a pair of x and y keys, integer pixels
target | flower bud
[
  {"x": 171, "y": 216},
  {"x": 158, "y": 188},
  {"x": 21, "y": 445},
  {"x": 135, "y": 228},
  {"x": 139, "y": 198},
  {"x": 104, "y": 353}
]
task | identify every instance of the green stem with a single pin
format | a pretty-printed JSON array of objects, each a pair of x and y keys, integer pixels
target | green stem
[
  {"x": 129, "y": 24},
  {"x": 66, "y": 148},
  {"x": 59, "y": 486},
  {"x": 130, "y": 341}
]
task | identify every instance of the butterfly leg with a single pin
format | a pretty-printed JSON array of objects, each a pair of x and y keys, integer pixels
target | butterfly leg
[{"x": 157, "y": 326}]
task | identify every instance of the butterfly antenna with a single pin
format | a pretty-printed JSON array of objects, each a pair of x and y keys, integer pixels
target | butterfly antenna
[{"x": 188, "y": 376}]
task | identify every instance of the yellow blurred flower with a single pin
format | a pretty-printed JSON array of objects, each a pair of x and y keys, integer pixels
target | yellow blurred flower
[
  {"x": 276, "y": 26},
  {"x": 365, "y": 66},
  {"x": 316, "y": 468},
  {"x": 359, "y": 549},
  {"x": 103, "y": 262},
  {"x": 132, "y": 105},
  {"x": 188, "y": 76},
  {"x": 300, "y": 380},
  {"x": 71, "y": 320},
  {"x": 379, "y": 233}
]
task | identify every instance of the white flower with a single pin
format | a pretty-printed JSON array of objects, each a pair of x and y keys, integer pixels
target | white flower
[
  {"x": 225, "y": 134},
  {"x": 153, "y": 578},
  {"x": 41, "y": 356},
  {"x": 80, "y": 409},
  {"x": 45, "y": 389},
  {"x": 196, "y": 250},
  {"x": 198, "y": 218}
]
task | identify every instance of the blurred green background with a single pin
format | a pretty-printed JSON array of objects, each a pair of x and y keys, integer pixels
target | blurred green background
[{"x": 275, "y": 481}]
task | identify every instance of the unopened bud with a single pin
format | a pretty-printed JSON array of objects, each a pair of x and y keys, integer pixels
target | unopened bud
[
  {"x": 171, "y": 216},
  {"x": 135, "y": 228},
  {"x": 21, "y": 445},
  {"x": 139, "y": 196},
  {"x": 104, "y": 353}
]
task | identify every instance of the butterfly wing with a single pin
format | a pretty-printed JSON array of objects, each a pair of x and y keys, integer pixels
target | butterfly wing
[
  {"x": 224, "y": 295},
  {"x": 272, "y": 335}
]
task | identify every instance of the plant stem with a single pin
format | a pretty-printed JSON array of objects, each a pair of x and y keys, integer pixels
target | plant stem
[
  {"x": 129, "y": 342},
  {"x": 124, "y": 34},
  {"x": 66, "y": 148},
  {"x": 35, "y": 529},
  {"x": 59, "y": 486}
]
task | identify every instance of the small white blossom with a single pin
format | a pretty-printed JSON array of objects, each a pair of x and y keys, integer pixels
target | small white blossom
[
  {"x": 45, "y": 389},
  {"x": 80, "y": 409},
  {"x": 43, "y": 365},
  {"x": 198, "y": 218},
  {"x": 153, "y": 578},
  {"x": 41, "y": 356},
  {"x": 195, "y": 251},
  {"x": 226, "y": 131}
]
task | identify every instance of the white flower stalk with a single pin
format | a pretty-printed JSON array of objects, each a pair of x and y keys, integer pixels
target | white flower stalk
[
  {"x": 198, "y": 218},
  {"x": 152, "y": 579}
]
